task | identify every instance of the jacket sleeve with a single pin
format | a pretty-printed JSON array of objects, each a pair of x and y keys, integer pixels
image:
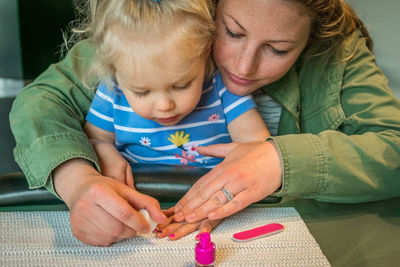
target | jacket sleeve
[
  {"x": 47, "y": 118},
  {"x": 360, "y": 160}
]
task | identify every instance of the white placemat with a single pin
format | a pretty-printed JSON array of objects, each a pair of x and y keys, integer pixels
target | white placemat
[{"x": 45, "y": 239}]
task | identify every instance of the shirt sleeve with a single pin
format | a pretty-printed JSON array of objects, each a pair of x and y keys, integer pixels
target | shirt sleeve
[
  {"x": 101, "y": 112},
  {"x": 233, "y": 105},
  {"x": 48, "y": 115}
]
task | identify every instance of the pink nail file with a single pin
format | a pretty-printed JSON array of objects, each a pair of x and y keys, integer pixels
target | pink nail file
[{"x": 258, "y": 232}]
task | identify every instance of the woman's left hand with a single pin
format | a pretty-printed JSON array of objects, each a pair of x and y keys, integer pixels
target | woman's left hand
[
  {"x": 250, "y": 172},
  {"x": 175, "y": 230}
]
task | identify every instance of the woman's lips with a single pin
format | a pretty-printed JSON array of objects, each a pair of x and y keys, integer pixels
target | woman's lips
[
  {"x": 238, "y": 80},
  {"x": 166, "y": 120}
]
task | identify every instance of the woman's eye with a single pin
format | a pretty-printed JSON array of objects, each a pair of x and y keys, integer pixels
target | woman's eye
[
  {"x": 277, "y": 52},
  {"x": 232, "y": 34}
]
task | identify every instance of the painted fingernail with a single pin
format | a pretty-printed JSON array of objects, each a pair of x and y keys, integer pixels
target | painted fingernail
[
  {"x": 197, "y": 237},
  {"x": 156, "y": 231},
  {"x": 171, "y": 236}
]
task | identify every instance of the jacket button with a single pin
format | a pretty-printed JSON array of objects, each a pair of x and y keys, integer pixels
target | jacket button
[{"x": 298, "y": 108}]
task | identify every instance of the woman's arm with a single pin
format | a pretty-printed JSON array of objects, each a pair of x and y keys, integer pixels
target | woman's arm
[
  {"x": 359, "y": 159},
  {"x": 48, "y": 115}
]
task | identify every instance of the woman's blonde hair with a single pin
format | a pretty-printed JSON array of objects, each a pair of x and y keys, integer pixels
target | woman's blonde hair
[
  {"x": 187, "y": 24},
  {"x": 332, "y": 22}
]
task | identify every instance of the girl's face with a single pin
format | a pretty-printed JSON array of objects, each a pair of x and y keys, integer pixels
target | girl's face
[
  {"x": 258, "y": 41},
  {"x": 162, "y": 94}
]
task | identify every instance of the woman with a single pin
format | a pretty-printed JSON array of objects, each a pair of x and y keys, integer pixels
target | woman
[
  {"x": 338, "y": 124},
  {"x": 334, "y": 99}
]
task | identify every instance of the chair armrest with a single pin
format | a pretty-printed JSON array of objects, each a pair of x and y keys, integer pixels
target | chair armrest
[{"x": 163, "y": 182}]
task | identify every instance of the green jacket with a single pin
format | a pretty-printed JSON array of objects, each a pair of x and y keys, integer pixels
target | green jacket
[{"x": 338, "y": 133}]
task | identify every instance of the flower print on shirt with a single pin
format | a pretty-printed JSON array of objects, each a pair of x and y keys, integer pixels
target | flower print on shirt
[
  {"x": 185, "y": 158},
  {"x": 179, "y": 138},
  {"x": 214, "y": 117},
  {"x": 191, "y": 149},
  {"x": 145, "y": 141}
]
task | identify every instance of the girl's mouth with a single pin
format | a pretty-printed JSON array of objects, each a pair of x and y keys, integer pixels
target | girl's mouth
[{"x": 167, "y": 120}]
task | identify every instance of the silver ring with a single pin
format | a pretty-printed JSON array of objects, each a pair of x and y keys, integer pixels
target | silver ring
[{"x": 228, "y": 194}]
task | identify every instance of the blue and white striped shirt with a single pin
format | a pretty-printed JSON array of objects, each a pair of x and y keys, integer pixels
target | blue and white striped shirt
[{"x": 145, "y": 141}]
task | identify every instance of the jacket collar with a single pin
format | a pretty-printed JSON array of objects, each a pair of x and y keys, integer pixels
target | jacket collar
[{"x": 286, "y": 92}]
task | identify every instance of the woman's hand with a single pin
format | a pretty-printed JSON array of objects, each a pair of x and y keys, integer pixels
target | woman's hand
[
  {"x": 250, "y": 172},
  {"x": 102, "y": 210},
  {"x": 112, "y": 163},
  {"x": 175, "y": 230}
]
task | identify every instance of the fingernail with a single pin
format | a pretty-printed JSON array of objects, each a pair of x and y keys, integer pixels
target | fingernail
[
  {"x": 197, "y": 237},
  {"x": 171, "y": 236},
  {"x": 157, "y": 231}
]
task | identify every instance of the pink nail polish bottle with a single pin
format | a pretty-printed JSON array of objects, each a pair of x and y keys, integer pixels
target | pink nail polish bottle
[{"x": 205, "y": 251}]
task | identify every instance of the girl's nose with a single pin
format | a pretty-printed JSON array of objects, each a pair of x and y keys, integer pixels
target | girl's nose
[{"x": 165, "y": 103}]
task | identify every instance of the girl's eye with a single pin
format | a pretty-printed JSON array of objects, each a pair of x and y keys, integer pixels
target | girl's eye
[
  {"x": 182, "y": 87},
  {"x": 232, "y": 34},
  {"x": 140, "y": 94}
]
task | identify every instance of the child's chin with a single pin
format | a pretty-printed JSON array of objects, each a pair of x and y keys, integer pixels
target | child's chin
[
  {"x": 167, "y": 124},
  {"x": 170, "y": 123}
]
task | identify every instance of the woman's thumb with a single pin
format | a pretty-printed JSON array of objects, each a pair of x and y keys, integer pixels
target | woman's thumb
[{"x": 218, "y": 150}]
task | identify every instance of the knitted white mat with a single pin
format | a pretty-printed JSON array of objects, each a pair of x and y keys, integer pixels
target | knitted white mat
[{"x": 45, "y": 239}]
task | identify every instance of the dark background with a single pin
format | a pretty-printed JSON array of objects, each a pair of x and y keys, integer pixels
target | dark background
[
  {"x": 41, "y": 26},
  {"x": 41, "y": 23}
]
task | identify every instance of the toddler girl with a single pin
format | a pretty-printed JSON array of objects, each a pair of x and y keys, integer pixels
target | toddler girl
[{"x": 159, "y": 96}]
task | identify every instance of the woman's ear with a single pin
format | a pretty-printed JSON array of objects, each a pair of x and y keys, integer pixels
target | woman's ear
[{"x": 208, "y": 49}]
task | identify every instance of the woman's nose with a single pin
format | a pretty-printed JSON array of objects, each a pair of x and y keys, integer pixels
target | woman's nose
[{"x": 246, "y": 63}]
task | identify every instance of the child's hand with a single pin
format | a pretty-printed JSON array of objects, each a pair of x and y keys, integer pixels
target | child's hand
[
  {"x": 175, "y": 230},
  {"x": 112, "y": 163}
]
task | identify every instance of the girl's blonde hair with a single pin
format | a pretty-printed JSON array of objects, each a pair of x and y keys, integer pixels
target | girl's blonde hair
[{"x": 187, "y": 24}]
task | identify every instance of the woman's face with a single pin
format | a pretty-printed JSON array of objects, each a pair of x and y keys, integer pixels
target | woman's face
[{"x": 258, "y": 41}]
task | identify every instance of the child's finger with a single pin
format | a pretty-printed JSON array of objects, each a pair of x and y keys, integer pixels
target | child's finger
[
  {"x": 168, "y": 230},
  {"x": 168, "y": 222},
  {"x": 207, "y": 226},
  {"x": 184, "y": 230},
  {"x": 169, "y": 212},
  {"x": 118, "y": 175}
]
